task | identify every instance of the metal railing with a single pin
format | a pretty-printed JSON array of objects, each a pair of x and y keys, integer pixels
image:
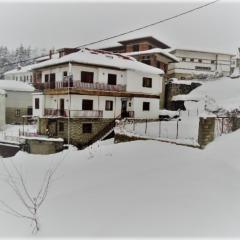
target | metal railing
[
  {"x": 83, "y": 85},
  {"x": 73, "y": 113}
]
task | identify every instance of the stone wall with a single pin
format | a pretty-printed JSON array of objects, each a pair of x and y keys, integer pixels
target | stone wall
[
  {"x": 174, "y": 90},
  {"x": 77, "y": 137},
  {"x": 12, "y": 117},
  {"x": 206, "y": 131}
]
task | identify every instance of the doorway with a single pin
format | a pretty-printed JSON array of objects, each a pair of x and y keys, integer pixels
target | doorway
[
  {"x": 62, "y": 107},
  {"x": 52, "y": 81}
]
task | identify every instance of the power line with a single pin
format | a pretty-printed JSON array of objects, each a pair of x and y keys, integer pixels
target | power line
[
  {"x": 149, "y": 25},
  {"x": 130, "y": 31}
]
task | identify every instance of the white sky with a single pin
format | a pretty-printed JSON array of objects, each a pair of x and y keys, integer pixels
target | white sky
[{"x": 72, "y": 23}]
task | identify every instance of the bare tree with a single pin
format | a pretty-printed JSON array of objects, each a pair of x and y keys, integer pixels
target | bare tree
[{"x": 31, "y": 202}]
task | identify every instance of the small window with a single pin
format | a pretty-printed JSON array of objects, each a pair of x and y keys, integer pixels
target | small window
[
  {"x": 212, "y": 61},
  {"x": 112, "y": 79},
  {"x": 109, "y": 105},
  {"x": 146, "y": 61},
  {"x": 149, "y": 46},
  {"x": 61, "y": 126},
  {"x": 36, "y": 105},
  {"x": 87, "y": 127},
  {"x": 147, "y": 82},
  {"x": 29, "y": 111},
  {"x": 146, "y": 106},
  {"x": 65, "y": 75},
  {"x": 135, "y": 48},
  {"x": 18, "y": 113},
  {"x": 199, "y": 60},
  {"x": 184, "y": 59},
  {"x": 87, "y": 77},
  {"x": 192, "y": 59},
  {"x": 46, "y": 77},
  {"x": 87, "y": 104}
]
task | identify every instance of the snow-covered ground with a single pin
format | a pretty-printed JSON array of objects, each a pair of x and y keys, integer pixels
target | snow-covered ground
[
  {"x": 217, "y": 93},
  {"x": 136, "y": 189}
]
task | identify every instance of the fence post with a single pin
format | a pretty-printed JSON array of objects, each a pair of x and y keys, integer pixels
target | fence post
[
  {"x": 222, "y": 126},
  {"x": 159, "y": 128},
  {"x": 177, "y": 129},
  {"x": 146, "y": 127}
]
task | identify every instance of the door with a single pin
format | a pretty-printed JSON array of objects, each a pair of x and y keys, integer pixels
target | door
[
  {"x": 62, "y": 108},
  {"x": 52, "y": 81},
  {"x": 124, "y": 109}
]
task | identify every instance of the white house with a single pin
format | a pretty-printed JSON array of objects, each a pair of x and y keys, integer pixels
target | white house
[
  {"x": 193, "y": 63},
  {"x": 18, "y": 100},
  {"x": 2, "y": 108},
  {"x": 103, "y": 86}
]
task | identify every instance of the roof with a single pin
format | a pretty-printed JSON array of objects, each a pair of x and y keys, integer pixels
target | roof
[
  {"x": 201, "y": 51},
  {"x": 150, "y": 39},
  {"x": 163, "y": 52},
  {"x": 101, "y": 58},
  {"x": 12, "y": 85},
  {"x": 24, "y": 69}
]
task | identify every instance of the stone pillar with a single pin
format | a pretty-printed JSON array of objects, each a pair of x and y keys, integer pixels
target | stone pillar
[{"x": 206, "y": 131}]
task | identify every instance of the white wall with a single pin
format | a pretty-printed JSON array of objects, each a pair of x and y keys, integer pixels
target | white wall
[
  {"x": 21, "y": 76},
  {"x": 135, "y": 83},
  {"x": 38, "y": 112},
  {"x": 153, "y": 113},
  {"x": 17, "y": 99}
]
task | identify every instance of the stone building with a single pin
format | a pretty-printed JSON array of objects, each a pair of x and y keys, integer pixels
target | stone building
[{"x": 86, "y": 91}]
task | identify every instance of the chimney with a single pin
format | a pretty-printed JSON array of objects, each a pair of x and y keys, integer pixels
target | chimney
[{"x": 50, "y": 54}]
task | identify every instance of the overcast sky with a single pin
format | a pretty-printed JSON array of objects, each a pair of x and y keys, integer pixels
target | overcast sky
[{"x": 70, "y": 24}]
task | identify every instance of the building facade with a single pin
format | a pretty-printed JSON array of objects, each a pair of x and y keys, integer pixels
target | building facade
[
  {"x": 18, "y": 100},
  {"x": 2, "y": 108},
  {"x": 85, "y": 92},
  {"x": 194, "y": 63}
]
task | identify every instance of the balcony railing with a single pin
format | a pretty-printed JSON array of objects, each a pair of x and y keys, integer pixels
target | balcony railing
[
  {"x": 73, "y": 113},
  {"x": 83, "y": 85}
]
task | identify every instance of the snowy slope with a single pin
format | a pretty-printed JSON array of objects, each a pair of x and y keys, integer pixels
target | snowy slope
[
  {"x": 219, "y": 93},
  {"x": 137, "y": 189}
]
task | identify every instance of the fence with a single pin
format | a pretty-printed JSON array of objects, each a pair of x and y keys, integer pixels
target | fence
[{"x": 173, "y": 129}]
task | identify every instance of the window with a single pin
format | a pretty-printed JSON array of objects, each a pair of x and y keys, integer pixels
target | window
[
  {"x": 112, "y": 79},
  {"x": 184, "y": 59},
  {"x": 61, "y": 126},
  {"x": 192, "y": 59},
  {"x": 135, "y": 48},
  {"x": 199, "y": 60},
  {"x": 36, "y": 105},
  {"x": 46, "y": 77},
  {"x": 87, "y": 77},
  {"x": 212, "y": 61},
  {"x": 149, "y": 46},
  {"x": 87, "y": 104},
  {"x": 18, "y": 112},
  {"x": 146, "y": 61},
  {"x": 109, "y": 105},
  {"x": 27, "y": 78},
  {"x": 203, "y": 68},
  {"x": 20, "y": 78},
  {"x": 16, "y": 78},
  {"x": 65, "y": 75},
  {"x": 146, "y": 106},
  {"x": 87, "y": 127},
  {"x": 147, "y": 82},
  {"x": 29, "y": 111}
]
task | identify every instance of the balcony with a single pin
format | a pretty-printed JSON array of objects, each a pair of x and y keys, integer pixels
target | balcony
[
  {"x": 83, "y": 85},
  {"x": 50, "y": 112}
]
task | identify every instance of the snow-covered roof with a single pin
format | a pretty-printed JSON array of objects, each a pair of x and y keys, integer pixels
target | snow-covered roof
[
  {"x": 163, "y": 52},
  {"x": 101, "y": 58},
  {"x": 2, "y": 92},
  {"x": 186, "y": 97},
  {"x": 184, "y": 82},
  {"x": 200, "y": 50},
  {"x": 12, "y": 85},
  {"x": 23, "y": 69}
]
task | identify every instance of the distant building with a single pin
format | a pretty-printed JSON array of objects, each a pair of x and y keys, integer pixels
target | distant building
[
  {"x": 147, "y": 50},
  {"x": 103, "y": 87},
  {"x": 193, "y": 63},
  {"x": 18, "y": 100}
]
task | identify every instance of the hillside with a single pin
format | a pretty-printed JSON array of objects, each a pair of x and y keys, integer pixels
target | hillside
[{"x": 142, "y": 188}]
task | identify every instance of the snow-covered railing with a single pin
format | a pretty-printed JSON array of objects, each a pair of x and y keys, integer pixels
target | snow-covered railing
[
  {"x": 83, "y": 85},
  {"x": 74, "y": 113}
]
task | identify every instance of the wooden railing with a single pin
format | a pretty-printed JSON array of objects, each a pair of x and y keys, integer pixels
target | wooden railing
[
  {"x": 83, "y": 85},
  {"x": 73, "y": 113}
]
